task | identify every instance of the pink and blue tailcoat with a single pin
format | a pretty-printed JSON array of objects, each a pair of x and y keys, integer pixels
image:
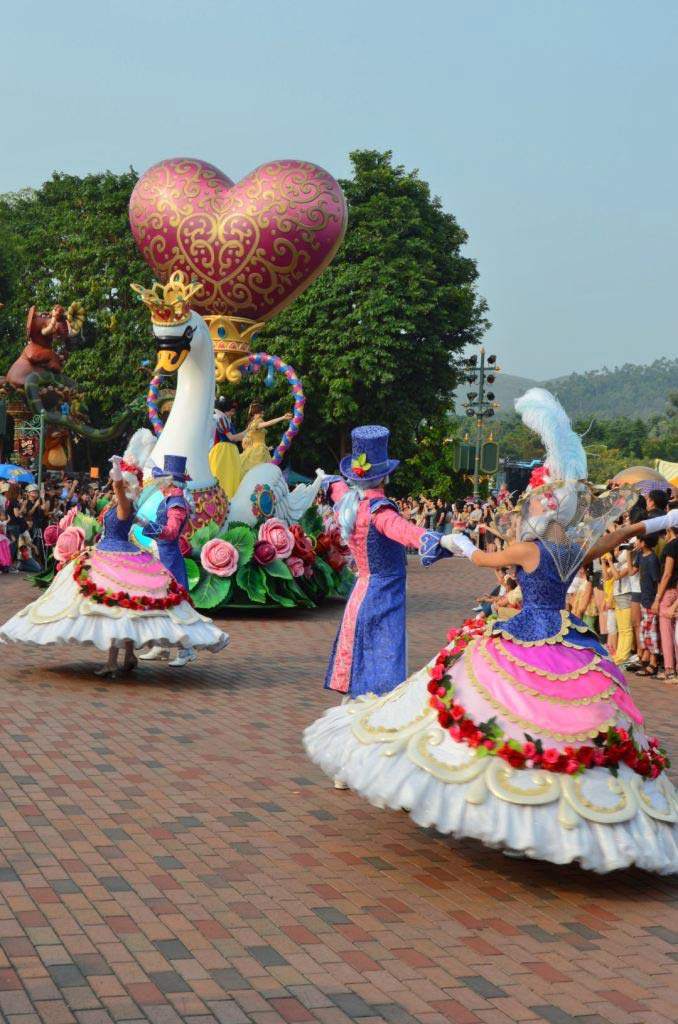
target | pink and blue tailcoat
[{"x": 370, "y": 650}]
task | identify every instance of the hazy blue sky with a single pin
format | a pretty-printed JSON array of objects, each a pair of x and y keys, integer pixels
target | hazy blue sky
[{"x": 548, "y": 127}]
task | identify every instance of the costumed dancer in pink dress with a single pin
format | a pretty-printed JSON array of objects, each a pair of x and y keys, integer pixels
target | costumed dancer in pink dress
[
  {"x": 5, "y": 550},
  {"x": 114, "y": 595},
  {"x": 523, "y": 733},
  {"x": 370, "y": 651}
]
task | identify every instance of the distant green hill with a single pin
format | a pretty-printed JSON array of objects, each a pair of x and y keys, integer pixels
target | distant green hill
[{"x": 631, "y": 391}]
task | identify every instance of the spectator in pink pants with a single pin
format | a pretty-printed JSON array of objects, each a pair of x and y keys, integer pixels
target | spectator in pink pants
[{"x": 667, "y": 594}]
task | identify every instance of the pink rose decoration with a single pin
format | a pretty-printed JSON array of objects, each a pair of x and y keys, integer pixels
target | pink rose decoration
[
  {"x": 69, "y": 543},
  {"x": 295, "y": 565},
  {"x": 264, "y": 552},
  {"x": 274, "y": 532},
  {"x": 51, "y": 535},
  {"x": 219, "y": 557},
  {"x": 67, "y": 520}
]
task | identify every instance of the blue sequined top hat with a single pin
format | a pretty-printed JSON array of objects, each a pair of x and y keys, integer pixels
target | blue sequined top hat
[
  {"x": 369, "y": 457},
  {"x": 175, "y": 466}
]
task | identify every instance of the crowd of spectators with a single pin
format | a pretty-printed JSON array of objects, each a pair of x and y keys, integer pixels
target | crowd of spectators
[
  {"x": 473, "y": 515},
  {"x": 630, "y": 597},
  {"x": 26, "y": 511}
]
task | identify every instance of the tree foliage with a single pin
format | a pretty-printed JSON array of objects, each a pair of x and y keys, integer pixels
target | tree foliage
[
  {"x": 631, "y": 390},
  {"x": 70, "y": 240},
  {"x": 377, "y": 335},
  {"x": 375, "y": 338}
]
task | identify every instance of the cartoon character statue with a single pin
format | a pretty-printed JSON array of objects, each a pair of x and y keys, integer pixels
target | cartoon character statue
[{"x": 47, "y": 335}]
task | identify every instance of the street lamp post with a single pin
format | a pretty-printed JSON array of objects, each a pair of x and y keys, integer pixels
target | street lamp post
[{"x": 480, "y": 404}]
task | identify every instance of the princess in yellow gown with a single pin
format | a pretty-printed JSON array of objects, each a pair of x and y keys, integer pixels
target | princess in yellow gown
[
  {"x": 224, "y": 455},
  {"x": 254, "y": 449}
]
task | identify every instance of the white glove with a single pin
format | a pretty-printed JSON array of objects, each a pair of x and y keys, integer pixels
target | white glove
[
  {"x": 658, "y": 523},
  {"x": 458, "y": 544},
  {"x": 321, "y": 475},
  {"x": 116, "y": 472}
]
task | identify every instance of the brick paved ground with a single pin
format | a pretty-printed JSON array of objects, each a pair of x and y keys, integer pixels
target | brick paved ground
[{"x": 167, "y": 853}]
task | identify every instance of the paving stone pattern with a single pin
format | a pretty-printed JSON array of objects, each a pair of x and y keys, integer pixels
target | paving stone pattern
[{"x": 168, "y": 854}]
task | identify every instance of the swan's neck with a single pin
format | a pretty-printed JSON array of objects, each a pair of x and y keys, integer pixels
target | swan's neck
[{"x": 189, "y": 426}]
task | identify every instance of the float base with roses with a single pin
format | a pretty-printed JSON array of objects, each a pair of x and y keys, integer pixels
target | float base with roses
[{"x": 270, "y": 565}]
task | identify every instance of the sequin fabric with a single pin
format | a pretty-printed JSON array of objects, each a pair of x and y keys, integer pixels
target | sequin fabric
[
  {"x": 116, "y": 532},
  {"x": 543, "y": 604}
]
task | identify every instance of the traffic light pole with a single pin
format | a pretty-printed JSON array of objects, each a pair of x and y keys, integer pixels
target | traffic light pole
[{"x": 479, "y": 425}]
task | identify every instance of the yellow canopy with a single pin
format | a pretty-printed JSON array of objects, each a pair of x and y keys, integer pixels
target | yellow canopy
[{"x": 668, "y": 470}]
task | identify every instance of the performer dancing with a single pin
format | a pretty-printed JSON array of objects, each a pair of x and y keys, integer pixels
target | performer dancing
[
  {"x": 254, "y": 450},
  {"x": 370, "y": 653},
  {"x": 171, "y": 519},
  {"x": 224, "y": 455},
  {"x": 522, "y": 734},
  {"x": 114, "y": 595}
]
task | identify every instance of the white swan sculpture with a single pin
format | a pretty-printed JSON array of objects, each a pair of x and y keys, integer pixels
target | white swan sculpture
[{"x": 184, "y": 346}]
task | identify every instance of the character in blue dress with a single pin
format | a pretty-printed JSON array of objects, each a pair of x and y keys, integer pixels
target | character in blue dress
[{"x": 171, "y": 520}]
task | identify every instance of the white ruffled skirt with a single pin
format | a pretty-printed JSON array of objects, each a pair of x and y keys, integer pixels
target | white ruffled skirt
[
  {"x": 392, "y": 751},
  {"x": 62, "y": 614}
]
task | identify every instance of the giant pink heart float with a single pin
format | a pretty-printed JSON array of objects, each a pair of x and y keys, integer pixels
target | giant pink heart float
[{"x": 253, "y": 246}]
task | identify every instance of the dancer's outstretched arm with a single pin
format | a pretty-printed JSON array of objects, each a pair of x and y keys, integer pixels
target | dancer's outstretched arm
[{"x": 523, "y": 553}]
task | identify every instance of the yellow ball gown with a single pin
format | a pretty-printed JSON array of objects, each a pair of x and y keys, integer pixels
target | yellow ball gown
[{"x": 254, "y": 450}]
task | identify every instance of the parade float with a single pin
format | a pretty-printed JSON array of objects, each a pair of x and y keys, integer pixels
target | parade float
[
  {"x": 43, "y": 408},
  {"x": 238, "y": 254}
]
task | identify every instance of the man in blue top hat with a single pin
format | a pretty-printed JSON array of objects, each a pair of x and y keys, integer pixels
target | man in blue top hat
[
  {"x": 171, "y": 519},
  {"x": 370, "y": 654}
]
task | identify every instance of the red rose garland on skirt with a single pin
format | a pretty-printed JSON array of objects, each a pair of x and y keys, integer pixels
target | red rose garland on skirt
[
  {"x": 610, "y": 749},
  {"x": 110, "y": 598}
]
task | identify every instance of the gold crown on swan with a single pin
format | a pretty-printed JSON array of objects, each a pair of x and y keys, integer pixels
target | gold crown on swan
[{"x": 170, "y": 304}]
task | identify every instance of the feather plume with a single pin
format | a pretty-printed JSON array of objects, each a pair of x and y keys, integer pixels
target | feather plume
[
  {"x": 565, "y": 455},
  {"x": 141, "y": 444}
]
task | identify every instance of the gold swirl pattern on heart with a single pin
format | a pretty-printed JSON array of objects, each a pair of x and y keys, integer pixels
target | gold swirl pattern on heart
[{"x": 254, "y": 245}]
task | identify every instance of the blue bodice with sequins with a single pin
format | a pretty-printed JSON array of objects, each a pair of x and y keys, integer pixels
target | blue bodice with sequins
[
  {"x": 542, "y": 615},
  {"x": 116, "y": 532}
]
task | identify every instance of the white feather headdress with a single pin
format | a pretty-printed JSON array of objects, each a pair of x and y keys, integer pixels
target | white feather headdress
[
  {"x": 140, "y": 446},
  {"x": 565, "y": 455}
]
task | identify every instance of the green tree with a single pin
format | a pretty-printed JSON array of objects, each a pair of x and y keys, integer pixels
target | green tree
[
  {"x": 70, "y": 240},
  {"x": 377, "y": 335}
]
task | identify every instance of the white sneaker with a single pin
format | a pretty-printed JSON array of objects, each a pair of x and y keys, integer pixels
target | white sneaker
[
  {"x": 155, "y": 654},
  {"x": 184, "y": 655}
]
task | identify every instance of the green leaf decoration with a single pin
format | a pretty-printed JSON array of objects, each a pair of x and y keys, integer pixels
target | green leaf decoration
[
  {"x": 311, "y": 521},
  {"x": 295, "y": 591},
  {"x": 193, "y": 572},
  {"x": 243, "y": 539},
  {"x": 87, "y": 523},
  {"x": 44, "y": 578},
  {"x": 277, "y": 594},
  {"x": 212, "y": 591},
  {"x": 253, "y": 581},
  {"x": 325, "y": 575},
  {"x": 279, "y": 569},
  {"x": 201, "y": 536},
  {"x": 346, "y": 582}
]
